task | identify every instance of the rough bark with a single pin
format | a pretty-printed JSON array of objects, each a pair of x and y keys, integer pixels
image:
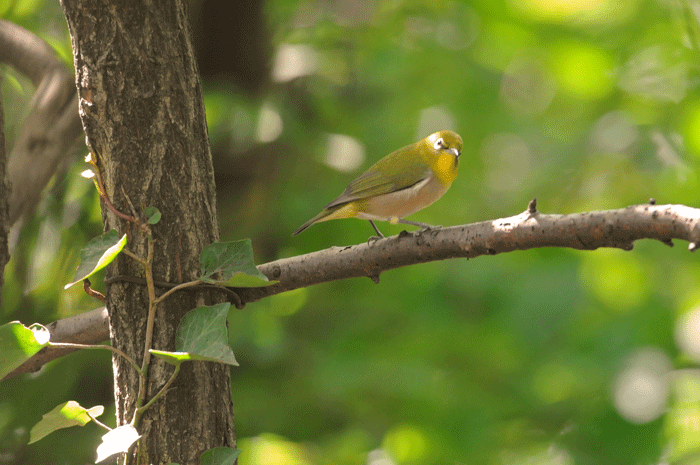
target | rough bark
[
  {"x": 141, "y": 105},
  {"x": 4, "y": 197}
]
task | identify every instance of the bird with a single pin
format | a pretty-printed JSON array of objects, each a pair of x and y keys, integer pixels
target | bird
[{"x": 405, "y": 181}]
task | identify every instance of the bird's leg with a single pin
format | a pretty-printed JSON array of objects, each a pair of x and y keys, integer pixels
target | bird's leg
[
  {"x": 425, "y": 226},
  {"x": 379, "y": 233}
]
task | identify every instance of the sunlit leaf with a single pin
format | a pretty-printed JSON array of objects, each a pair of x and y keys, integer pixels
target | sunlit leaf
[
  {"x": 116, "y": 441},
  {"x": 173, "y": 358},
  {"x": 65, "y": 415},
  {"x": 18, "y": 344},
  {"x": 97, "y": 254}
]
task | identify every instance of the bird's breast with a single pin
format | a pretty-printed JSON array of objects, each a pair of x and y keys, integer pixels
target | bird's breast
[{"x": 401, "y": 203}]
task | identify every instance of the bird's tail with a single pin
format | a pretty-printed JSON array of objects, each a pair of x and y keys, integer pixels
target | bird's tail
[
  {"x": 332, "y": 211},
  {"x": 313, "y": 220}
]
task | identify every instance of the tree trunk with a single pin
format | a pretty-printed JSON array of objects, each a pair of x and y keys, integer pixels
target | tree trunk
[
  {"x": 142, "y": 111},
  {"x": 4, "y": 198}
]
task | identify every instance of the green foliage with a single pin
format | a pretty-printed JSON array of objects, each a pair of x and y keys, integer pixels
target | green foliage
[
  {"x": 97, "y": 254},
  {"x": 18, "y": 344},
  {"x": 65, "y": 415},
  {"x": 153, "y": 215},
  {"x": 201, "y": 336},
  {"x": 231, "y": 264},
  {"x": 520, "y": 358}
]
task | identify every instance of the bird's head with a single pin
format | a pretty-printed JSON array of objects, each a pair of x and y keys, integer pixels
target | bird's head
[{"x": 445, "y": 141}]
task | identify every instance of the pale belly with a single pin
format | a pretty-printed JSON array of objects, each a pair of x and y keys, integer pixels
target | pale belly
[{"x": 400, "y": 204}]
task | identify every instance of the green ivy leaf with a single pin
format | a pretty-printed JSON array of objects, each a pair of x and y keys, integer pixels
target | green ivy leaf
[
  {"x": 219, "y": 456},
  {"x": 64, "y": 415},
  {"x": 19, "y": 343},
  {"x": 152, "y": 215},
  {"x": 97, "y": 254},
  {"x": 116, "y": 441},
  {"x": 234, "y": 262},
  {"x": 202, "y": 336},
  {"x": 202, "y": 333}
]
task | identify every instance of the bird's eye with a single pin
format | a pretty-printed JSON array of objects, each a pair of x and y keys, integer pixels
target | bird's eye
[{"x": 439, "y": 144}]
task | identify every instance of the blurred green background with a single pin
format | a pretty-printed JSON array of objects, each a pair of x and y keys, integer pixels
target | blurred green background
[{"x": 548, "y": 356}]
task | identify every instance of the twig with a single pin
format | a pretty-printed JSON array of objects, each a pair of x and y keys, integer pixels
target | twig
[
  {"x": 91, "y": 292},
  {"x": 69, "y": 345},
  {"x": 138, "y": 259},
  {"x": 175, "y": 289},
  {"x": 98, "y": 422},
  {"x": 233, "y": 296},
  {"x": 103, "y": 195}
]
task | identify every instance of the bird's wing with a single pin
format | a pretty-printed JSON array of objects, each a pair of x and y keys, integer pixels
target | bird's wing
[{"x": 375, "y": 181}]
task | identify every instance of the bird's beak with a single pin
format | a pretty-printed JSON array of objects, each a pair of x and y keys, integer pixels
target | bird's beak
[{"x": 454, "y": 152}]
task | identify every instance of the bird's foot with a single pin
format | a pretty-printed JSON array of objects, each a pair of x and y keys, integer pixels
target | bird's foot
[
  {"x": 378, "y": 236},
  {"x": 374, "y": 239},
  {"x": 429, "y": 227}
]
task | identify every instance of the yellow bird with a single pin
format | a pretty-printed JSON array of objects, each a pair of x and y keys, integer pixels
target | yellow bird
[{"x": 403, "y": 182}]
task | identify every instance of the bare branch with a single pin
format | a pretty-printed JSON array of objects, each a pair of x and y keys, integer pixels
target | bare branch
[
  {"x": 25, "y": 52},
  {"x": 528, "y": 230},
  {"x": 583, "y": 231},
  {"x": 52, "y": 128}
]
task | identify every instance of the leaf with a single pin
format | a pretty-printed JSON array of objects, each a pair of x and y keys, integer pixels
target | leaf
[
  {"x": 152, "y": 215},
  {"x": 246, "y": 280},
  {"x": 116, "y": 441},
  {"x": 202, "y": 335},
  {"x": 219, "y": 456},
  {"x": 97, "y": 254},
  {"x": 173, "y": 358},
  {"x": 19, "y": 343},
  {"x": 231, "y": 259},
  {"x": 64, "y": 415}
]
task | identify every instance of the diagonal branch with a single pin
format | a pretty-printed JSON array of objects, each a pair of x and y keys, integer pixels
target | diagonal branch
[
  {"x": 528, "y": 230},
  {"x": 52, "y": 129}
]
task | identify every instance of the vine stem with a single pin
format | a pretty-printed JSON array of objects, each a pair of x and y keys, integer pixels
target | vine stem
[
  {"x": 152, "y": 306},
  {"x": 134, "y": 256},
  {"x": 160, "y": 393},
  {"x": 69, "y": 345},
  {"x": 177, "y": 288},
  {"x": 98, "y": 422},
  {"x": 103, "y": 195}
]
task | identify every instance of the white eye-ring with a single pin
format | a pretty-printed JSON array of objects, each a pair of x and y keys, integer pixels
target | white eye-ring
[{"x": 439, "y": 144}]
